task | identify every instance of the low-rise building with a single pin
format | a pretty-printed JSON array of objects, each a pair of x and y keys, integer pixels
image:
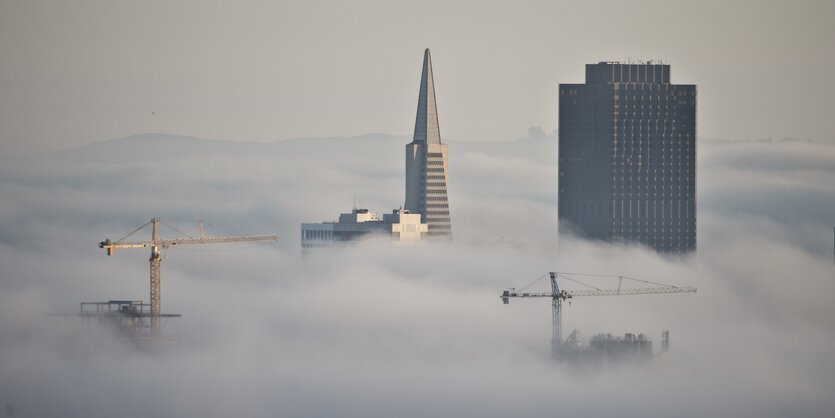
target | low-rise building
[{"x": 400, "y": 225}]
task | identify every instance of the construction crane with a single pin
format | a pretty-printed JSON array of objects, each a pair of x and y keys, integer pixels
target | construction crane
[
  {"x": 158, "y": 244},
  {"x": 558, "y": 296}
]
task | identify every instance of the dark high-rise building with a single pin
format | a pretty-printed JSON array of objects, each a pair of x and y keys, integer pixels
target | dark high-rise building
[{"x": 627, "y": 156}]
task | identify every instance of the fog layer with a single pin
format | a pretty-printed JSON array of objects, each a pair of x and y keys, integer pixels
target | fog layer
[{"x": 388, "y": 329}]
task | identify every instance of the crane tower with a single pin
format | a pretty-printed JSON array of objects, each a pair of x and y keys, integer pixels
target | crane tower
[
  {"x": 156, "y": 244},
  {"x": 558, "y": 296}
]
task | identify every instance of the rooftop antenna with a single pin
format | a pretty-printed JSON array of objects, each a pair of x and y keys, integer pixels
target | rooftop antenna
[{"x": 355, "y": 201}]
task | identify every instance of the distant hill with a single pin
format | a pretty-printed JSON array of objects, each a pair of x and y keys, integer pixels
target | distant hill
[{"x": 160, "y": 147}]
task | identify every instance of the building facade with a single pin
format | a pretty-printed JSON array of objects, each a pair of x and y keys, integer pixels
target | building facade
[
  {"x": 399, "y": 224},
  {"x": 627, "y": 156},
  {"x": 426, "y": 161}
]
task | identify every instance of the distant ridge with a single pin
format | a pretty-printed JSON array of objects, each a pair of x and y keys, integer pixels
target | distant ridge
[
  {"x": 157, "y": 146},
  {"x": 164, "y": 147}
]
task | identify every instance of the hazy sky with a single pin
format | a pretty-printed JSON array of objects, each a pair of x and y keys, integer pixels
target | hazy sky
[{"x": 75, "y": 72}]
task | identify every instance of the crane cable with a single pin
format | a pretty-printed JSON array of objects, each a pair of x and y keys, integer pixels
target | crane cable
[
  {"x": 133, "y": 232},
  {"x": 175, "y": 229},
  {"x": 129, "y": 234},
  {"x": 535, "y": 280},
  {"x": 567, "y": 277},
  {"x": 647, "y": 281},
  {"x": 614, "y": 276},
  {"x": 562, "y": 275}
]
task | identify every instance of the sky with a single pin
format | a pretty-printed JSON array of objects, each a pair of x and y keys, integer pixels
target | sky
[
  {"x": 78, "y": 72},
  {"x": 115, "y": 112}
]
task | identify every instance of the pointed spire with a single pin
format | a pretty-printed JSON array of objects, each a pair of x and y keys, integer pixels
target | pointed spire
[{"x": 427, "y": 129}]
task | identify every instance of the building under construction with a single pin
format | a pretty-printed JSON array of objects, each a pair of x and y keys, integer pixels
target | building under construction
[
  {"x": 125, "y": 318},
  {"x": 629, "y": 348}
]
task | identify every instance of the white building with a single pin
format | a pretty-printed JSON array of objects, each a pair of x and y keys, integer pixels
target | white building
[
  {"x": 426, "y": 211},
  {"x": 400, "y": 225},
  {"x": 426, "y": 161}
]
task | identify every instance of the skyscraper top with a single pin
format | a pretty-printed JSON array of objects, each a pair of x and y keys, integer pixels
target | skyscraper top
[
  {"x": 427, "y": 129},
  {"x": 616, "y": 72}
]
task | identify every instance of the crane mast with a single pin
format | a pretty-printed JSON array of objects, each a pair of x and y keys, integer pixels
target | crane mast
[
  {"x": 158, "y": 244},
  {"x": 559, "y": 296},
  {"x": 156, "y": 259}
]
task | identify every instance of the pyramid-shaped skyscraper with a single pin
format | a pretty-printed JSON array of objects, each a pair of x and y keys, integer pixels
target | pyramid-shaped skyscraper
[{"x": 426, "y": 161}]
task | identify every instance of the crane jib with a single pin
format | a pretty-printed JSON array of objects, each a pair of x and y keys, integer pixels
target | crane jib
[{"x": 566, "y": 294}]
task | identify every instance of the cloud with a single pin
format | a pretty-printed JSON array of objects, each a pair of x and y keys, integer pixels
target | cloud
[{"x": 383, "y": 329}]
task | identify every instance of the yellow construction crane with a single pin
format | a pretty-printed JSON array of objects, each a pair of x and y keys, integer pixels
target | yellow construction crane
[
  {"x": 157, "y": 244},
  {"x": 558, "y": 295}
]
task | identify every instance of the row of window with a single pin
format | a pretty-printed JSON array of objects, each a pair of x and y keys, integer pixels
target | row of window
[
  {"x": 437, "y": 205},
  {"x": 428, "y": 220},
  {"x": 625, "y": 116},
  {"x": 654, "y": 181},
  {"x": 648, "y": 95},
  {"x": 435, "y": 169},
  {"x": 665, "y": 242},
  {"x": 317, "y": 234},
  {"x": 634, "y": 88},
  {"x": 680, "y": 237},
  {"x": 638, "y": 195},
  {"x": 435, "y": 177},
  {"x": 655, "y": 209},
  {"x": 645, "y": 226}
]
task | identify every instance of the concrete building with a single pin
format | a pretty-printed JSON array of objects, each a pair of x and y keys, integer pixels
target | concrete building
[
  {"x": 426, "y": 161},
  {"x": 426, "y": 210},
  {"x": 627, "y": 156},
  {"x": 400, "y": 225}
]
